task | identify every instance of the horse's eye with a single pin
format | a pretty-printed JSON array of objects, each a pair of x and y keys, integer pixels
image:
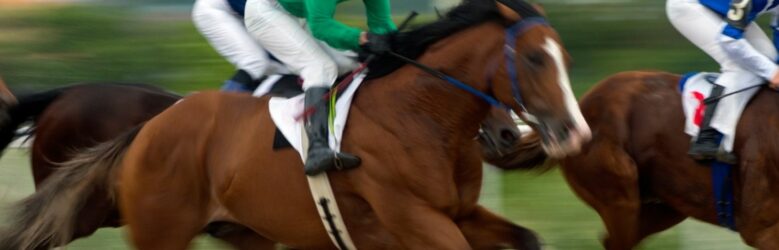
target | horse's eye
[{"x": 536, "y": 58}]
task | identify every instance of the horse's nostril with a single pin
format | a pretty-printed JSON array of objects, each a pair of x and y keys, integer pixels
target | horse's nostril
[{"x": 508, "y": 136}]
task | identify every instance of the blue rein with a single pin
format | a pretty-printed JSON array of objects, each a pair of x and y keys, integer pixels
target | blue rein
[{"x": 512, "y": 33}]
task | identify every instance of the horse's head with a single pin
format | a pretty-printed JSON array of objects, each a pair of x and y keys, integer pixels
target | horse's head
[
  {"x": 533, "y": 80},
  {"x": 498, "y": 134}
]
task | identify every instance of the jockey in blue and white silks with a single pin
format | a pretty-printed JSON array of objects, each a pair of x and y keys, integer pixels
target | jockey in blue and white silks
[
  {"x": 221, "y": 23},
  {"x": 726, "y": 31}
]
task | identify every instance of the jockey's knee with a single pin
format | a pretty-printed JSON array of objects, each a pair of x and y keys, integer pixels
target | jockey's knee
[{"x": 319, "y": 73}]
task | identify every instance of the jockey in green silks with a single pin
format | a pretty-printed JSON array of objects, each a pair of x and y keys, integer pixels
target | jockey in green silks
[{"x": 275, "y": 25}]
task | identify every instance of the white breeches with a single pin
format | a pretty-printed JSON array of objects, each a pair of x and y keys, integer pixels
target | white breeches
[
  {"x": 703, "y": 28},
  {"x": 224, "y": 30},
  {"x": 285, "y": 37}
]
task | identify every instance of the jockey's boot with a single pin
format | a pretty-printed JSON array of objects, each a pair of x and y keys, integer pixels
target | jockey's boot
[
  {"x": 320, "y": 157},
  {"x": 240, "y": 82},
  {"x": 706, "y": 145}
]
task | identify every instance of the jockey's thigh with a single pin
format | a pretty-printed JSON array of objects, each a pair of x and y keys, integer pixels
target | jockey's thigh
[
  {"x": 280, "y": 33},
  {"x": 224, "y": 30}
]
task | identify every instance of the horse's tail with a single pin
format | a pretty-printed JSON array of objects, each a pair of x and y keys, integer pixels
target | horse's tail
[
  {"x": 46, "y": 218},
  {"x": 527, "y": 155},
  {"x": 27, "y": 107}
]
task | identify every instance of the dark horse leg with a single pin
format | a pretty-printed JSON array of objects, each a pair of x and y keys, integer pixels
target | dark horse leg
[
  {"x": 238, "y": 236},
  {"x": 485, "y": 230},
  {"x": 627, "y": 219}
]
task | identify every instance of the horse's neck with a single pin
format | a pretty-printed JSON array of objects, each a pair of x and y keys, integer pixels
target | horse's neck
[{"x": 420, "y": 99}]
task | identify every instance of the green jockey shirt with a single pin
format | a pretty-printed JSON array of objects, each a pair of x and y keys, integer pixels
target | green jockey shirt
[{"x": 319, "y": 15}]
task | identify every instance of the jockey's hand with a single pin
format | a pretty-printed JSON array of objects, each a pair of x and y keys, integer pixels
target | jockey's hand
[
  {"x": 774, "y": 82},
  {"x": 376, "y": 44}
]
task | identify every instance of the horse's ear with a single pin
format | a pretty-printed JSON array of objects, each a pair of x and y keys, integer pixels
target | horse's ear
[
  {"x": 540, "y": 8},
  {"x": 514, "y": 10},
  {"x": 508, "y": 13}
]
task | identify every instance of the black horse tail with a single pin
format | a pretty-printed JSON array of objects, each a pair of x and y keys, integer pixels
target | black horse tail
[
  {"x": 528, "y": 154},
  {"x": 27, "y": 108},
  {"x": 46, "y": 218}
]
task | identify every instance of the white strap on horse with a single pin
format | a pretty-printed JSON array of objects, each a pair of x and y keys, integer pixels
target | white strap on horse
[{"x": 324, "y": 200}]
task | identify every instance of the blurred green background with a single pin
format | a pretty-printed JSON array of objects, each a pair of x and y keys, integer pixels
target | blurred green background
[
  {"x": 154, "y": 41},
  {"x": 44, "y": 45}
]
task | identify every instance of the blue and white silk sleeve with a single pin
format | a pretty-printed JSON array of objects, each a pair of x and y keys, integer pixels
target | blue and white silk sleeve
[{"x": 747, "y": 56}]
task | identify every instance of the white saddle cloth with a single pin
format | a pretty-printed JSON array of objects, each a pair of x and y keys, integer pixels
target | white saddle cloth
[
  {"x": 694, "y": 91},
  {"x": 286, "y": 113}
]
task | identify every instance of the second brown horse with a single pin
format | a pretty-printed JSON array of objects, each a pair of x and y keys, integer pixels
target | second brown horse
[{"x": 636, "y": 172}]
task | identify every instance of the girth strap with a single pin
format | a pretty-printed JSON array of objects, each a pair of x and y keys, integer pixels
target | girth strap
[{"x": 722, "y": 182}]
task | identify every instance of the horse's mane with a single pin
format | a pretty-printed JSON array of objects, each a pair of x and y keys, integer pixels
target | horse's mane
[{"x": 412, "y": 44}]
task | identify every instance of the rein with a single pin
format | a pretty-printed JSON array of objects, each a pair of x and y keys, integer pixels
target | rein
[{"x": 512, "y": 33}]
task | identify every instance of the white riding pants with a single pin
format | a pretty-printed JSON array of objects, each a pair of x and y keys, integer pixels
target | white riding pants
[
  {"x": 224, "y": 30},
  {"x": 703, "y": 28},
  {"x": 285, "y": 37}
]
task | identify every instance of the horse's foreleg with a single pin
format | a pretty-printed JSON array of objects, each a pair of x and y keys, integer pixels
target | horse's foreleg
[
  {"x": 245, "y": 238},
  {"x": 608, "y": 181},
  {"x": 656, "y": 218},
  {"x": 485, "y": 230},
  {"x": 418, "y": 226}
]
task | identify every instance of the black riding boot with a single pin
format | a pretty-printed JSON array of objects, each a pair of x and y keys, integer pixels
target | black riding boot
[
  {"x": 320, "y": 157},
  {"x": 706, "y": 146}
]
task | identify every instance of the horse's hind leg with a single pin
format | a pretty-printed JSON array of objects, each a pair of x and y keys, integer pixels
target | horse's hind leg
[
  {"x": 162, "y": 211},
  {"x": 485, "y": 230}
]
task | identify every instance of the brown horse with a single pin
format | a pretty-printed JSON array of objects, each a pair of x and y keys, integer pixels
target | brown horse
[
  {"x": 82, "y": 116},
  {"x": 77, "y": 117},
  {"x": 636, "y": 173},
  {"x": 208, "y": 159}
]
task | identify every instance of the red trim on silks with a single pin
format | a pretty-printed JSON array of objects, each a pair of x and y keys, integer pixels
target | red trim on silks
[
  {"x": 308, "y": 111},
  {"x": 698, "y": 116}
]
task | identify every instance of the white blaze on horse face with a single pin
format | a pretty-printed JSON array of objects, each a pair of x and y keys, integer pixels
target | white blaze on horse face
[{"x": 582, "y": 129}]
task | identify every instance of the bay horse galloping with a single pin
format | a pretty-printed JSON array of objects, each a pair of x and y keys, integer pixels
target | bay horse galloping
[
  {"x": 636, "y": 172},
  {"x": 209, "y": 158},
  {"x": 81, "y": 116}
]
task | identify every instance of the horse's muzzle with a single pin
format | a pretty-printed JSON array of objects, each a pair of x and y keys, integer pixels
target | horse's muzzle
[{"x": 561, "y": 138}]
